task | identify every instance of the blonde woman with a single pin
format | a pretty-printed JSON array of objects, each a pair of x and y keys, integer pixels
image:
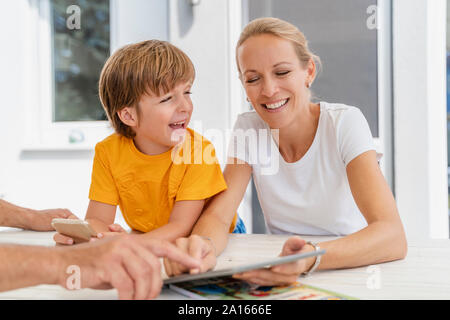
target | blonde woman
[{"x": 328, "y": 181}]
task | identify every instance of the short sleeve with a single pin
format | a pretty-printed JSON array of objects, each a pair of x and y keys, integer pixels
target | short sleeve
[
  {"x": 353, "y": 134},
  {"x": 242, "y": 140},
  {"x": 202, "y": 180},
  {"x": 103, "y": 188}
]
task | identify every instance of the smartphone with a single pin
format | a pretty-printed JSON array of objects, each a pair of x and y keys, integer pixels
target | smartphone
[{"x": 78, "y": 230}]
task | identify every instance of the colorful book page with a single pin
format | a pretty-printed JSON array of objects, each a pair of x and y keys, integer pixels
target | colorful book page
[{"x": 227, "y": 288}]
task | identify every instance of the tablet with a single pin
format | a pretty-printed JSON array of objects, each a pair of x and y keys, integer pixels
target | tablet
[{"x": 243, "y": 268}]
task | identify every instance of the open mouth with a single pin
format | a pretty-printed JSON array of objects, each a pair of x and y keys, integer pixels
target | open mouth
[
  {"x": 277, "y": 105},
  {"x": 178, "y": 125}
]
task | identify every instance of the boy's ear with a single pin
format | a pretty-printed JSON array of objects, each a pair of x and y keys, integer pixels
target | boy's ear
[{"x": 128, "y": 116}]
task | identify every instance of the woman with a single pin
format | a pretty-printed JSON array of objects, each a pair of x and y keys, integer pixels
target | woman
[{"x": 328, "y": 181}]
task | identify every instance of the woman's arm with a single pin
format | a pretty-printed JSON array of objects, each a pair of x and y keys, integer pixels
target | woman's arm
[
  {"x": 216, "y": 219},
  {"x": 384, "y": 238},
  {"x": 381, "y": 241}
]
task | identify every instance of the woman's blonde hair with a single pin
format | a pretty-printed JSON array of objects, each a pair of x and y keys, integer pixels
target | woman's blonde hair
[
  {"x": 149, "y": 67},
  {"x": 282, "y": 29}
]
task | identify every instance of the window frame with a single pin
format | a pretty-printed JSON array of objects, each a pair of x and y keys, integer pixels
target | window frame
[{"x": 42, "y": 132}]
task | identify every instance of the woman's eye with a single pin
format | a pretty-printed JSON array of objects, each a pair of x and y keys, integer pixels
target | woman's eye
[
  {"x": 188, "y": 92},
  {"x": 282, "y": 73},
  {"x": 252, "y": 80}
]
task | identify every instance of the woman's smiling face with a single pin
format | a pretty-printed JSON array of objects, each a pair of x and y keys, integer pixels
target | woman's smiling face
[{"x": 274, "y": 79}]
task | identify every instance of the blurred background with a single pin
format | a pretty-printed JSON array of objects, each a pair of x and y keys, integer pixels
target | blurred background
[{"x": 389, "y": 58}]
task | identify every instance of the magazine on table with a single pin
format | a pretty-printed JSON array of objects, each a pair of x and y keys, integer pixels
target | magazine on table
[{"x": 228, "y": 288}]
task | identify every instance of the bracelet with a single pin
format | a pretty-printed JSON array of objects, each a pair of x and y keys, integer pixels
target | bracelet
[
  {"x": 212, "y": 244},
  {"x": 316, "y": 263}
]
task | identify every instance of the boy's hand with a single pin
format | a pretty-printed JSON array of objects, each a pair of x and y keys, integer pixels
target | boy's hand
[
  {"x": 114, "y": 230},
  {"x": 197, "y": 247}
]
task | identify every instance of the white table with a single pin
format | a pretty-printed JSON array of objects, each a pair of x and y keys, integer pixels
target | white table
[{"x": 424, "y": 274}]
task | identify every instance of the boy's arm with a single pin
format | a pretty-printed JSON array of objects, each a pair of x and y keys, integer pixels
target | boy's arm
[
  {"x": 100, "y": 215},
  {"x": 182, "y": 219},
  {"x": 215, "y": 221}
]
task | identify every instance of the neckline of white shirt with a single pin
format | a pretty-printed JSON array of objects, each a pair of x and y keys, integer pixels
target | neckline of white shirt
[{"x": 310, "y": 150}]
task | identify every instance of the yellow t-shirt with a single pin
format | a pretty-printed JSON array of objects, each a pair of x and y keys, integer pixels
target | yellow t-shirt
[{"x": 146, "y": 187}]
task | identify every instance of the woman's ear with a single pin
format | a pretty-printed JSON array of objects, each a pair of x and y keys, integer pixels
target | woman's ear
[
  {"x": 311, "y": 69},
  {"x": 128, "y": 116}
]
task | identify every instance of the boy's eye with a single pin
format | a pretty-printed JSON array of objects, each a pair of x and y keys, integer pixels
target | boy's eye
[{"x": 166, "y": 99}]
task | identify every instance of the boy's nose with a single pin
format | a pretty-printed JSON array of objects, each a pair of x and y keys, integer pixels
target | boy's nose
[{"x": 184, "y": 106}]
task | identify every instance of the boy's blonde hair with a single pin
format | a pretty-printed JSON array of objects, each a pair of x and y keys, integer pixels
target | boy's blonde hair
[
  {"x": 151, "y": 67},
  {"x": 281, "y": 29}
]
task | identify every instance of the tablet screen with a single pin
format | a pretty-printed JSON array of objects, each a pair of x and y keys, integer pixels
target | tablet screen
[{"x": 243, "y": 268}]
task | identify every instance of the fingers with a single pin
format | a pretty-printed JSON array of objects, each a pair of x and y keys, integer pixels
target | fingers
[
  {"x": 200, "y": 249},
  {"x": 296, "y": 267},
  {"x": 145, "y": 274},
  {"x": 177, "y": 254},
  {"x": 62, "y": 240},
  {"x": 266, "y": 277},
  {"x": 179, "y": 268},
  {"x": 116, "y": 228},
  {"x": 168, "y": 267},
  {"x": 61, "y": 213},
  {"x": 129, "y": 267},
  {"x": 65, "y": 213},
  {"x": 102, "y": 235},
  {"x": 121, "y": 280},
  {"x": 292, "y": 245},
  {"x": 152, "y": 272},
  {"x": 197, "y": 248}
]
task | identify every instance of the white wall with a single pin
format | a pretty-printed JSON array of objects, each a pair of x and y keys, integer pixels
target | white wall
[
  {"x": 420, "y": 116},
  {"x": 204, "y": 32},
  {"x": 33, "y": 179},
  {"x": 45, "y": 179}
]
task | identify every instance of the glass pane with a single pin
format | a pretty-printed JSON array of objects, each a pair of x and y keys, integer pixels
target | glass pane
[
  {"x": 342, "y": 34},
  {"x": 80, "y": 39},
  {"x": 448, "y": 100}
]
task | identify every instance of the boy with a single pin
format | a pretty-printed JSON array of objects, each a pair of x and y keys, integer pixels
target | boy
[{"x": 145, "y": 91}]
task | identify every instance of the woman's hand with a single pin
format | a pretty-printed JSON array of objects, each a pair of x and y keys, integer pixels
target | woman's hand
[
  {"x": 197, "y": 247},
  {"x": 284, "y": 274}
]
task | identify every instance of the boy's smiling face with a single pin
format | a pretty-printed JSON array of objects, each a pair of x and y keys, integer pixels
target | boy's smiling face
[{"x": 162, "y": 121}]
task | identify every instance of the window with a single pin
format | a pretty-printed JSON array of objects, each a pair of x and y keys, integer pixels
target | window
[
  {"x": 352, "y": 39},
  {"x": 338, "y": 32},
  {"x": 448, "y": 100},
  {"x": 68, "y": 43},
  {"x": 80, "y": 47}
]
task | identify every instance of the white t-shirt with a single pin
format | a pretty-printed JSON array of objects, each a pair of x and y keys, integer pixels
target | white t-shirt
[{"x": 311, "y": 196}]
